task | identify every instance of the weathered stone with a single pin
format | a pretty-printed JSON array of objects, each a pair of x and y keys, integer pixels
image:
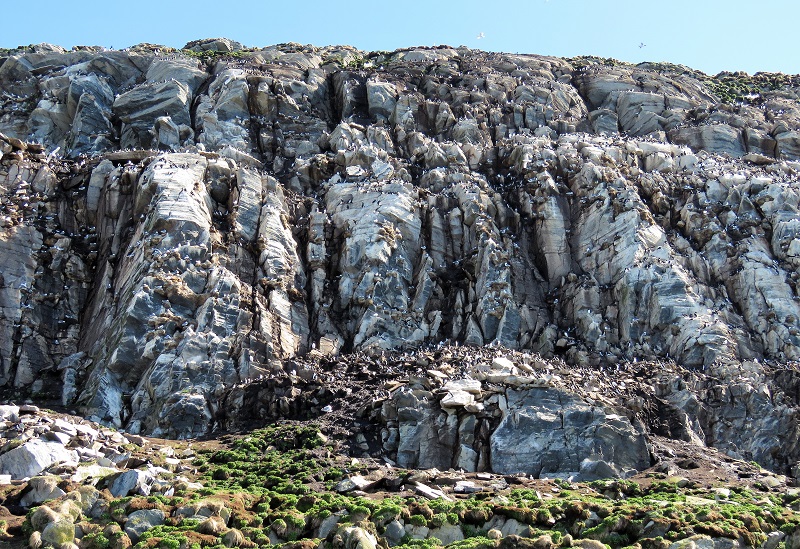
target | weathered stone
[
  {"x": 352, "y": 483},
  {"x": 718, "y": 138},
  {"x": 554, "y": 432},
  {"x": 213, "y": 44},
  {"x": 59, "y": 532},
  {"x": 141, "y": 521},
  {"x": 130, "y": 481},
  {"x": 140, "y": 108},
  {"x": 9, "y": 413},
  {"x": 430, "y": 493},
  {"x": 447, "y": 533},
  {"x": 394, "y": 533},
  {"x": 312, "y": 210},
  {"x": 358, "y": 538},
  {"x": 33, "y": 457},
  {"x": 41, "y": 489}
]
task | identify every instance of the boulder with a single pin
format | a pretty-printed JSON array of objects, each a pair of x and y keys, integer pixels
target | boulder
[
  {"x": 59, "y": 532},
  {"x": 381, "y": 98},
  {"x": 33, "y": 457},
  {"x": 221, "y": 45},
  {"x": 355, "y": 537},
  {"x": 716, "y": 138},
  {"x": 547, "y": 432},
  {"x": 41, "y": 489},
  {"x": 788, "y": 145},
  {"x": 9, "y": 412},
  {"x": 131, "y": 481},
  {"x": 141, "y": 521},
  {"x": 139, "y": 109}
]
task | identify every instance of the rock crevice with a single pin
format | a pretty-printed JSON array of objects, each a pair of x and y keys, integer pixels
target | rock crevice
[{"x": 212, "y": 223}]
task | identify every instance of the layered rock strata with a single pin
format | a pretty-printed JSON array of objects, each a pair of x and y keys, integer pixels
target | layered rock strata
[{"x": 176, "y": 225}]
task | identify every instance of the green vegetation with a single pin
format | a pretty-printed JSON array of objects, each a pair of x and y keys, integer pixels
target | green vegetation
[
  {"x": 739, "y": 87},
  {"x": 211, "y": 56},
  {"x": 276, "y": 485},
  {"x": 586, "y": 60}
]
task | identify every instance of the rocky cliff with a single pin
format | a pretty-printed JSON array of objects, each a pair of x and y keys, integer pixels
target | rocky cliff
[{"x": 517, "y": 263}]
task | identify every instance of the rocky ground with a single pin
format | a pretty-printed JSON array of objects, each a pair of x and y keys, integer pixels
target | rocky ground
[
  {"x": 89, "y": 486},
  {"x": 445, "y": 258}
]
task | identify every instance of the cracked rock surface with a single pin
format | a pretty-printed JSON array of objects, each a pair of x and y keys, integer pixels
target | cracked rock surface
[{"x": 197, "y": 239}]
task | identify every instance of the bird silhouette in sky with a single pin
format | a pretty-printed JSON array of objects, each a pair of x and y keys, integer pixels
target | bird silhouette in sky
[
  {"x": 480, "y": 35},
  {"x": 641, "y": 45}
]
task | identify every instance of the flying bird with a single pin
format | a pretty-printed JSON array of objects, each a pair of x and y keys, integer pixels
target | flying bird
[
  {"x": 480, "y": 35},
  {"x": 642, "y": 44}
]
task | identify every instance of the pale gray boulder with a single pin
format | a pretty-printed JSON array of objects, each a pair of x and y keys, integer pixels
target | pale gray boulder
[
  {"x": 139, "y": 108},
  {"x": 33, "y": 457},
  {"x": 716, "y": 138},
  {"x": 141, "y": 521},
  {"x": 41, "y": 489},
  {"x": 545, "y": 432}
]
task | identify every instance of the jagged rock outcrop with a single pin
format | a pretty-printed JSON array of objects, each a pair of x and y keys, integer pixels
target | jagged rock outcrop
[{"x": 218, "y": 213}]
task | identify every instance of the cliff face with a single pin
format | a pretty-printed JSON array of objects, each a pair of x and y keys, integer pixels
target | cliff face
[{"x": 181, "y": 229}]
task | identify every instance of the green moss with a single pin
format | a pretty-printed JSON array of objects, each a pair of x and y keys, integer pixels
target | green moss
[
  {"x": 739, "y": 87},
  {"x": 265, "y": 476},
  {"x": 210, "y": 56},
  {"x": 586, "y": 60},
  {"x": 476, "y": 542},
  {"x": 418, "y": 520},
  {"x": 95, "y": 541},
  {"x": 428, "y": 543}
]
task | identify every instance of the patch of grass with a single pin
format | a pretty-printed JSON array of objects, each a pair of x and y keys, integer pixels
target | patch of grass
[
  {"x": 212, "y": 56},
  {"x": 272, "y": 483},
  {"x": 739, "y": 87},
  {"x": 587, "y": 60}
]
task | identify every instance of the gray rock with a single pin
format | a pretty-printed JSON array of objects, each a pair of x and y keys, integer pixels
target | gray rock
[
  {"x": 394, "y": 533},
  {"x": 718, "y": 138},
  {"x": 214, "y": 44},
  {"x": 788, "y": 145},
  {"x": 9, "y": 412},
  {"x": 381, "y": 98},
  {"x": 640, "y": 113},
  {"x": 41, "y": 489},
  {"x": 33, "y": 457},
  {"x": 447, "y": 533},
  {"x": 357, "y": 538},
  {"x": 604, "y": 121},
  {"x": 595, "y": 470},
  {"x": 59, "y": 532},
  {"x": 758, "y": 142},
  {"x": 141, "y": 521},
  {"x": 130, "y": 482},
  {"x": 223, "y": 115},
  {"x": 355, "y": 482},
  {"x": 328, "y": 524},
  {"x": 545, "y": 431},
  {"x": 317, "y": 209},
  {"x": 773, "y": 539},
  {"x": 139, "y": 109},
  {"x": 181, "y": 69},
  {"x": 430, "y": 493}
]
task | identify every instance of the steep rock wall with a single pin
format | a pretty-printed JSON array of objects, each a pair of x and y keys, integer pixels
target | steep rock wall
[{"x": 231, "y": 216}]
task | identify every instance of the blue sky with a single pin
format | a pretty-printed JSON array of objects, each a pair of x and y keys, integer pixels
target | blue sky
[{"x": 709, "y": 35}]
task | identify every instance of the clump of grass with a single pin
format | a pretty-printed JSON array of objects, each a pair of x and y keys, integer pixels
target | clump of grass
[
  {"x": 272, "y": 483},
  {"x": 739, "y": 87}
]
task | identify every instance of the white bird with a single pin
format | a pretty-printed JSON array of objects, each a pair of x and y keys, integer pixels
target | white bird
[
  {"x": 480, "y": 35},
  {"x": 642, "y": 44}
]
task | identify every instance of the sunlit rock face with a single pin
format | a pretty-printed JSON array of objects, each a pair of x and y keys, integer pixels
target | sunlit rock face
[{"x": 178, "y": 224}]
